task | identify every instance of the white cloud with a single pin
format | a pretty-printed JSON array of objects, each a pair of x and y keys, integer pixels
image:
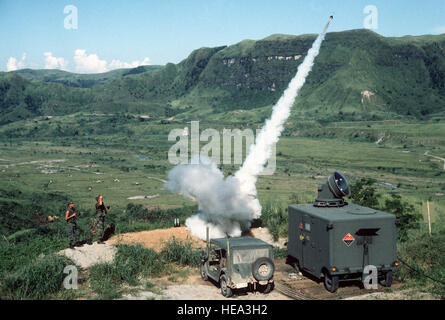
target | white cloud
[
  {"x": 91, "y": 63},
  {"x": 83, "y": 62},
  {"x": 117, "y": 64},
  {"x": 88, "y": 63},
  {"x": 438, "y": 30},
  {"x": 52, "y": 62},
  {"x": 14, "y": 64}
]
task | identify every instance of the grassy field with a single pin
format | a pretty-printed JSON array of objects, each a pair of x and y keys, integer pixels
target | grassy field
[
  {"x": 119, "y": 156},
  {"x": 132, "y": 161}
]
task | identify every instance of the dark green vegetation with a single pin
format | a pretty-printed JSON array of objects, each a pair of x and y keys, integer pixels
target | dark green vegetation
[
  {"x": 425, "y": 256},
  {"x": 79, "y": 80},
  {"x": 359, "y": 75},
  {"x": 37, "y": 280},
  {"x": 373, "y": 108}
]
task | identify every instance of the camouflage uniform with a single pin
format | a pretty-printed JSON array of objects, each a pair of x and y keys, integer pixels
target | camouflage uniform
[
  {"x": 73, "y": 229},
  {"x": 100, "y": 220}
]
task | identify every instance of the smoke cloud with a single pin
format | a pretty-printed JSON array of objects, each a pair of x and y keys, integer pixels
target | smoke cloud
[
  {"x": 228, "y": 206},
  {"x": 222, "y": 205}
]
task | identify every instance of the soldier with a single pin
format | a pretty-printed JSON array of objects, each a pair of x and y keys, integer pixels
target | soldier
[
  {"x": 101, "y": 210},
  {"x": 70, "y": 217}
]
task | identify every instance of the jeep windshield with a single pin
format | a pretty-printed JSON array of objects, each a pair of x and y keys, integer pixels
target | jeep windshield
[{"x": 249, "y": 255}]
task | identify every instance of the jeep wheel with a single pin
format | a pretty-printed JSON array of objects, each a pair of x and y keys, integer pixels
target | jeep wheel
[
  {"x": 387, "y": 279},
  {"x": 266, "y": 288},
  {"x": 330, "y": 282},
  {"x": 263, "y": 269},
  {"x": 225, "y": 290},
  {"x": 203, "y": 272}
]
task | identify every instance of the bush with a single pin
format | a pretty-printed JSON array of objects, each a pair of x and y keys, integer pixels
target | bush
[
  {"x": 130, "y": 263},
  {"x": 133, "y": 260},
  {"x": 13, "y": 255},
  {"x": 181, "y": 252},
  {"x": 363, "y": 193},
  {"x": 274, "y": 217},
  {"x": 279, "y": 253},
  {"x": 404, "y": 212},
  {"x": 36, "y": 280},
  {"x": 426, "y": 255},
  {"x": 105, "y": 281}
]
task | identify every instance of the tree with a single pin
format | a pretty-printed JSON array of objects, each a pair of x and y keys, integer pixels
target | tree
[
  {"x": 407, "y": 218},
  {"x": 363, "y": 193}
]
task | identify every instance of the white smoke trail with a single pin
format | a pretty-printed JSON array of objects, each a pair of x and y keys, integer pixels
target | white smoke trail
[
  {"x": 261, "y": 151},
  {"x": 227, "y": 206}
]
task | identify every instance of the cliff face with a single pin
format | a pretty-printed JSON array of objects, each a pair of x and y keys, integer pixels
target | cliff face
[{"x": 358, "y": 75}]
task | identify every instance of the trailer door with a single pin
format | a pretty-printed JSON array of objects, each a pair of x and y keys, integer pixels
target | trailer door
[{"x": 308, "y": 245}]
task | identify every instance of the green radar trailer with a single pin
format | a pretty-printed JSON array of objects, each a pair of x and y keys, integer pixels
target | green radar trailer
[{"x": 334, "y": 240}]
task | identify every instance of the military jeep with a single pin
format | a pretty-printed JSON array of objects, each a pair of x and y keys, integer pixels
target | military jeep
[{"x": 236, "y": 263}]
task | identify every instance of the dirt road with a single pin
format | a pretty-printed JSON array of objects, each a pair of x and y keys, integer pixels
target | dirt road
[{"x": 435, "y": 157}]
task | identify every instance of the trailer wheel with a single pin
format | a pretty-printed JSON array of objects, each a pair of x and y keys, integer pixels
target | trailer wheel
[
  {"x": 387, "y": 279},
  {"x": 331, "y": 282},
  {"x": 293, "y": 263},
  {"x": 203, "y": 272},
  {"x": 266, "y": 288},
  {"x": 226, "y": 291}
]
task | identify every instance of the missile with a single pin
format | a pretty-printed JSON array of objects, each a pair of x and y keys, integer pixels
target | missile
[{"x": 327, "y": 24}]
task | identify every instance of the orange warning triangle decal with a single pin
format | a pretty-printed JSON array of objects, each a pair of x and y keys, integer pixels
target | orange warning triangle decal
[{"x": 348, "y": 239}]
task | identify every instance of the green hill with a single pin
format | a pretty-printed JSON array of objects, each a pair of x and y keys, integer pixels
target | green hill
[
  {"x": 359, "y": 75},
  {"x": 79, "y": 80}
]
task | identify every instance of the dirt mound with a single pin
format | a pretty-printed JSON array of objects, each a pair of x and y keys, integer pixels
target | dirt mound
[{"x": 156, "y": 239}]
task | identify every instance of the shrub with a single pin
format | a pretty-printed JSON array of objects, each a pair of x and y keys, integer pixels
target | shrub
[
  {"x": 426, "y": 256},
  {"x": 13, "y": 255},
  {"x": 404, "y": 212},
  {"x": 363, "y": 193},
  {"x": 279, "y": 253},
  {"x": 274, "y": 217},
  {"x": 130, "y": 262},
  {"x": 36, "y": 280},
  {"x": 181, "y": 252},
  {"x": 105, "y": 281}
]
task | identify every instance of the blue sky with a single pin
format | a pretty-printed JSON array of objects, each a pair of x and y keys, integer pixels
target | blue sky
[{"x": 156, "y": 32}]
